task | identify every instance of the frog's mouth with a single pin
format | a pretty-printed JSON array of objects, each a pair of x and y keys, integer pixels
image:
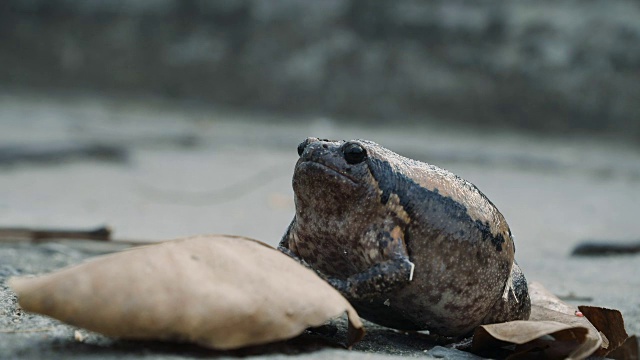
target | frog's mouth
[{"x": 314, "y": 166}]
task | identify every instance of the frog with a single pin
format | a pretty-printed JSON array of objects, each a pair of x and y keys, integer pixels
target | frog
[{"x": 412, "y": 246}]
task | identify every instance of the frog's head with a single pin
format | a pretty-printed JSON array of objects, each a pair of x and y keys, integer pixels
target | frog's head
[{"x": 337, "y": 181}]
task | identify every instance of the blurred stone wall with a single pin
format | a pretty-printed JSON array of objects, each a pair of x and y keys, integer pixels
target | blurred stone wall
[{"x": 551, "y": 65}]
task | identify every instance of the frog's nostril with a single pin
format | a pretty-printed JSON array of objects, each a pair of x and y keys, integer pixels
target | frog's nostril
[{"x": 325, "y": 146}]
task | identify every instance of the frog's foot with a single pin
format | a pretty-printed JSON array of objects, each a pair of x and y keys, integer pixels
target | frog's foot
[
  {"x": 378, "y": 279},
  {"x": 514, "y": 304}
]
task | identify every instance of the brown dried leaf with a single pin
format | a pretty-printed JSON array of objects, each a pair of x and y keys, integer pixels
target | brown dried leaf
[
  {"x": 546, "y": 306},
  {"x": 627, "y": 351},
  {"x": 610, "y": 323},
  {"x": 553, "y": 331},
  {"x": 218, "y": 291}
]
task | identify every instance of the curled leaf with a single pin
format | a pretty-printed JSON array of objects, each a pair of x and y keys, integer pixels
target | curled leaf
[
  {"x": 218, "y": 291},
  {"x": 629, "y": 350},
  {"x": 554, "y": 331},
  {"x": 610, "y": 323},
  {"x": 546, "y": 306}
]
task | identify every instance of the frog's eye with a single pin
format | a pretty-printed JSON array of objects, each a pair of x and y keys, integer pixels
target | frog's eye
[
  {"x": 354, "y": 153},
  {"x": 302, "y": 146}
]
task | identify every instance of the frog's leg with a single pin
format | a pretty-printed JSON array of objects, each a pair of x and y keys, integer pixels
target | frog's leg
[
  {"x": 285, "y": 247},
  {"x": 390, "y": 270},
  {"x": 284, "y": 242},
  {"x": 391, "y": 267},
  {"x": 514, "y": 304},
  {"x": 379, "y": 278}
]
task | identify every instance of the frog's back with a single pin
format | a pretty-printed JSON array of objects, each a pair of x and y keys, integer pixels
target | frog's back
[
  {"x": 460, "y": 244},
  {"x": 438, "y": 199}
]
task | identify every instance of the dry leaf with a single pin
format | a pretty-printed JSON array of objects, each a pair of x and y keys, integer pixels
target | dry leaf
[
  {"x": 218, "y": 291},
  {"x": 546, "y": 306},
  {"x": 627, "y": 351},
  {"x": 554, "y": 331},
  {"x": 610, "y": 323}
]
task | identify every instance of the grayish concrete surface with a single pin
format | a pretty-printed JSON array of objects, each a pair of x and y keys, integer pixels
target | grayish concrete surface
[
  {"x": 190, "y": 170},
  {"x": 29, "y": 336}
]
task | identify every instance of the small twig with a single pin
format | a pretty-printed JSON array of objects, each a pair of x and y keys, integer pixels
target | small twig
[
  {"x": 604, "y": 248},
  {"x": 58, "y": 152},
  {"x": 574, "y": 297},
  {"x": 36, "y": 235}
]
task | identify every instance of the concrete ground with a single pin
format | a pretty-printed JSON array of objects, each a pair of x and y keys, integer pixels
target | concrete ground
[{"x": 171, "y": 170}]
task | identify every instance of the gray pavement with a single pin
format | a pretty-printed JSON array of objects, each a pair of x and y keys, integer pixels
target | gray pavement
[{"x": 183, "y": 170}]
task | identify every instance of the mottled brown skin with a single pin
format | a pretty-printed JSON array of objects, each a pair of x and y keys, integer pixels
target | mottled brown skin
[{"x": 412, "y": 246}]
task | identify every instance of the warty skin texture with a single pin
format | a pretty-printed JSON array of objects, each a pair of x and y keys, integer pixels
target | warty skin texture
[{"x": 410, "y": 245}]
